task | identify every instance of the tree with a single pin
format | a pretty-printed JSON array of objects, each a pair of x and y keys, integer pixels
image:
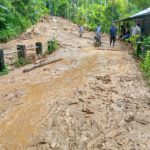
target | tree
[
  {"x": 141, "y": 4},
  {"x": 16, "y": 16}
]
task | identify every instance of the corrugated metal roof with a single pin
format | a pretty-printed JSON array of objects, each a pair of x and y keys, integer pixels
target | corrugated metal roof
[{"x": 140, "y": 14}]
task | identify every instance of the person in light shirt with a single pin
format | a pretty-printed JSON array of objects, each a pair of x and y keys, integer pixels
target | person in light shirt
[
  {"x": 81, "y": 31},
  {"x": 136, "y": 30}
]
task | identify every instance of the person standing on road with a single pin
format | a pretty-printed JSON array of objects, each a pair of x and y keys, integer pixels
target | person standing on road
[
  {"x": 136, "y": 30},
  {"x": 98, "y": 36},
  {"x": 113, "y": 34},
  {"x": 81, "y": 30},
  {"x": 98, "y": 31}
]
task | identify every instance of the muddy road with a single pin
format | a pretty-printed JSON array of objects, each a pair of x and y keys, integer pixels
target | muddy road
[{"x": 94, "y": 99}]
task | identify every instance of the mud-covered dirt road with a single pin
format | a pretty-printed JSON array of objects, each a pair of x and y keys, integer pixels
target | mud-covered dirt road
[{"x": 93, "y": 99}]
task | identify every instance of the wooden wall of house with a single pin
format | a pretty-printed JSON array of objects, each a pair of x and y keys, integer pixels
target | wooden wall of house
[{"x": 146, "y": 26}]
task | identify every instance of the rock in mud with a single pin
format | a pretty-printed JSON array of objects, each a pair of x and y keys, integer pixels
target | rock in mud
[{"x": 129, "y": 118}]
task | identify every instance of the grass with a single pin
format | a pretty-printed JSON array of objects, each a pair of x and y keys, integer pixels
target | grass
[
  {"x": 21, "y": 62},
  {"x": 52, "y": 46},
  {"x": 147, "y": 77},
  {"x": 4, "y": 71},
  {"x": 145, "y": 67}
]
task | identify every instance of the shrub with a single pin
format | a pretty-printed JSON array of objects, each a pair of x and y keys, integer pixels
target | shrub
[
  {"x": 145, "y": 65},
  {"x": 17, "y": 16},
  {"x": 4, "y": 71},
  {"x": 133, "y": 40},
  {"x": 146, "y": 40},
  {"x": 52, "y": 45},
  {"x": 21, "y": 62}
]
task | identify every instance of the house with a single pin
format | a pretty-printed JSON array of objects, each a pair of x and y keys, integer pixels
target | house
[{"x": 142, "y": 17}]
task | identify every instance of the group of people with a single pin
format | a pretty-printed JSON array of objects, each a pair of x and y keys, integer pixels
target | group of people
[
  {"x": 113, "y": 33},
  {"x": 126, "y": 32}
]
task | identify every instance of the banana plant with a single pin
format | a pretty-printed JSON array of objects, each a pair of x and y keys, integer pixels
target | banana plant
[{"x": 4, "y": 8}]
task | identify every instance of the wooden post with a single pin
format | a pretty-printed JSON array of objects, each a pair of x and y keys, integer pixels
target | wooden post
[
  {"x": 21, "y": 51},
  {"x": 2, "y": 63},
  {"x": 39, "y": 48}
]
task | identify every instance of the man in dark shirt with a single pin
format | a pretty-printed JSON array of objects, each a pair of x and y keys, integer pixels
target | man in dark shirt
[{"x": 113, "y": 34}]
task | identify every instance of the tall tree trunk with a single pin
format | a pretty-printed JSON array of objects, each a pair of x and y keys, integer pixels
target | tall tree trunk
[{"x": 113, "y": 9}]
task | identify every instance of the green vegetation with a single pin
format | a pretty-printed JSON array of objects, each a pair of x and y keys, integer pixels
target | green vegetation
[
  {"x": 133, "y": 40},
  {"x": 21, "y": 62},
  {"x": 145, "y": 59},
  {"x": 52, "y": 45},
  {"x": 142, "y": 52},
  {"x": 92, "y": 12},
  {"x": 145, "y": 67},
  {"x": 140, "y": 47},
  {"x": 4, "y": 71},
  {"x": 141, "y": 4},
  {"x": 146, "y": 42},
  {"x": 16, "y": 16}
]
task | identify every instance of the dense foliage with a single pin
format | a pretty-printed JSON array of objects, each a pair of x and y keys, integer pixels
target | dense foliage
[
  {"x": 145, "y": 56},
  {"x": 16, "y": 16},
  {"x": 4, "y": 71},
  {"x": 92, "y": 12},
  {"x": 52, "y": 45}
]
